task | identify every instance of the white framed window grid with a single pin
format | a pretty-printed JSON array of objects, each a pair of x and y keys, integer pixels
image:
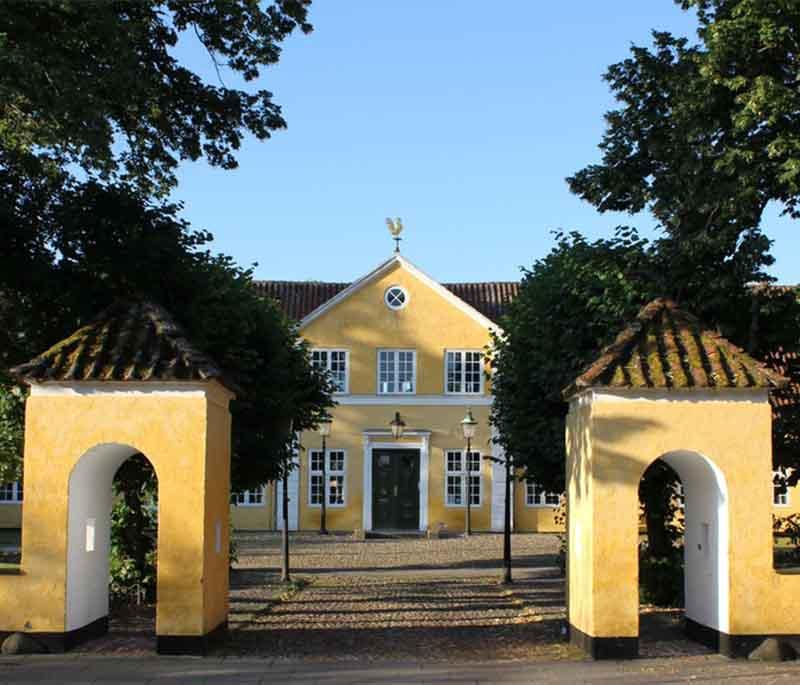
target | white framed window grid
[
  {"x": 336, "y": 363},
  {"x": 456, "y": 478},
  {"x": 780, "y": 498},
  {"x": 463, "y": 371},
  {"x": 535, "y": 496},
  {"x": 397, "y": 372},
  {"x": 11, "y": 493},
  {"x": 334, "y": 475},
  {"x": 249, "y": 498}
]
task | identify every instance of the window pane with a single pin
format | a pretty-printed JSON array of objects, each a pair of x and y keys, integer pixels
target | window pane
[
  {"x": 475, "y": 489},
  {"x": 454, "y": 371},
  {"x": 316, "y": 489},
  {"x": 319, "y": 359},
  {"x": 336, "y": 490},
  {"x": 316, "y": 460},
  {"x": 474, "y": 461},
  {"x": 339, "y": 369},
  {"x": 336, "y": 460},
  {"x": 255, "y": 496},
  {"x": 386, "y": 371},
  {"x": 454, "y": 462},
  {"x": 454, "y": 484},
  {"x": 405, "y": 371},
  {"x": 472, "y": 371}
]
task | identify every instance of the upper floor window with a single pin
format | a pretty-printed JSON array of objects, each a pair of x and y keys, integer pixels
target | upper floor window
[
  {"x": 395, "y": 297},
  {"x": 780, "y": 496},
  {"x": 10, "y": 493},
  {"x": 333, "y": 487},
  {"x": 536, "y": 496},
  {"x": 248, "y": 498},
  {"x": 397, "y": 372},
  {"x": 463, "y": 371},
  {"x": 335, "y": 363},
  {"x": 456, "y": 478}
]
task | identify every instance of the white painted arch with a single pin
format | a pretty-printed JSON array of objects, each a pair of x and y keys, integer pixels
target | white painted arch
[
  {"x": 706, "y": 538},
  {"x": 90, "y": 499}
]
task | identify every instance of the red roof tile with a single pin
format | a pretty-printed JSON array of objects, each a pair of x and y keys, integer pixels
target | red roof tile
[{"x": 299, "y": 298}]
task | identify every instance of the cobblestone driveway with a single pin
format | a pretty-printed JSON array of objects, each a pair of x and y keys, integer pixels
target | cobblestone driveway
[{"x": 390, "y": 599}]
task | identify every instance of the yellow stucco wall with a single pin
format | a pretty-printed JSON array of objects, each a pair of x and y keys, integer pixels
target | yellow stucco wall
[
  {"x": 363, "y": 324},
  {"x": 611, "y": 443},
  {"x": 255, "y": 517},
  {"x": 348, "y": 425},
  {"x": 180, "y": 433}
]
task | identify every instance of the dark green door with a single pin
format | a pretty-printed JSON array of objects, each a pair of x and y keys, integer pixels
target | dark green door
[{"x": 395, "y": 489}]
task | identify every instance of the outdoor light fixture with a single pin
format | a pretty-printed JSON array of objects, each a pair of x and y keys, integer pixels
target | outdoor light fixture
[
  {"x": 397, "y": 425},
  {"x": 324, "y": 429},
  {"x": 468, "y": 427}
]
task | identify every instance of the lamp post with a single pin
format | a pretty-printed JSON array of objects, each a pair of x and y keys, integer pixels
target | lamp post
[
  {"x": 324, "y": 431},
  {"x": 468, "y": 426},
  {"x": 397, "y": 425}
]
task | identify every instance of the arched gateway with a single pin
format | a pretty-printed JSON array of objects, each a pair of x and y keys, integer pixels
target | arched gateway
[
  {"x": 127, "y": 383},
  {"x": 668, "y": 388}
]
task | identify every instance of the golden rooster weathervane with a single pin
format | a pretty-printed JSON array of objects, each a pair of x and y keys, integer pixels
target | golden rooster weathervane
[{"x": 395, "y": 228}]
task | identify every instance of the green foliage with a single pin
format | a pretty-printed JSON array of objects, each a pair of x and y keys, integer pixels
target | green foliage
[
  {"x": 105, "y": 91},
  {"x": 658, "y": 490},
  {"x": 134, "y": 522},
  {"x": 570, "y": 304},
  {"x": 661, "y": 578},
  {"x": 12, "y": 415}
]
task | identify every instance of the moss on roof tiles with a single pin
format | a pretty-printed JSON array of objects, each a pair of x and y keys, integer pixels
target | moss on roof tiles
[
  {"x": 126, "y": 342},
  {"x": 668, "y": 348}
]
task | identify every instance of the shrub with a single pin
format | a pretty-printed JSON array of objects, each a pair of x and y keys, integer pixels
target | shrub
[{"x": 661, "y": 579}]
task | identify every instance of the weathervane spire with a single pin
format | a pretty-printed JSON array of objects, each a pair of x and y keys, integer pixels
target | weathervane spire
[{"x": 395, "y": 228}]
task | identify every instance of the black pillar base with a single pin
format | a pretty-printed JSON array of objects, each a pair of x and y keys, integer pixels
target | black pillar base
[
  {"x": 57, "y": 642},
  {"x": 192, "y": 645},
  {"x": 732, "y": 646},
  {"x": 602, "y": 648}
]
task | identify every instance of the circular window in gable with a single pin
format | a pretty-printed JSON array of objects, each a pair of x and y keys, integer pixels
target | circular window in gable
[{"x": 395, "y": 297}]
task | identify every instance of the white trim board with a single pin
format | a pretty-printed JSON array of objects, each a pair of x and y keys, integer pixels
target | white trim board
[
  {"x": 354, "y": 287},
  {"x": 424, "y": 466},
  {"x": 422, "y": 400}
]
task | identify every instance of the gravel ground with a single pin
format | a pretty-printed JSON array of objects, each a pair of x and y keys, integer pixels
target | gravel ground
[
  {"x": 312, "y": 553},
  {"x": 385, "y": 600}
]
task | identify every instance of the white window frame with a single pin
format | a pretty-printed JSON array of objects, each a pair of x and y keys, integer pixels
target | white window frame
[
  {"x": 544, "y": 504},
  {"x": 328, "y": 473},
  {"x": 16, "y": 493},
  {"x": 247, "y": 498},
  {"x": 461, "y": 474},
  {"x": 463, "y": 373},
  {"x": 328, "y": 351},
  {"x": 776, "y": 498},
  {"x": 406, "y": 297},
  {"x": 382, "y": 350}
]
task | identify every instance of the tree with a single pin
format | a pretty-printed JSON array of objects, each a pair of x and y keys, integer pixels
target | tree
[
  {"x": 105, "y": 243},
  {"x": 106, "y": 93}
]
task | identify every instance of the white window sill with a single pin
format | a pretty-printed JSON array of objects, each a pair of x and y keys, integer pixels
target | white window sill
[{"x": 9, "y": 501}]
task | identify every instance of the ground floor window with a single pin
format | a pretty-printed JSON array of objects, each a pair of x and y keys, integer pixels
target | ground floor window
[
  {"x": 536, "y": 496},
  {"x": 248, "y": 498},
  {"x": 333, "y": 487},
  {"x": 780, "y": 496},
  {"x": 456, "y": 478},
  {"x": 11, "y": 493}
]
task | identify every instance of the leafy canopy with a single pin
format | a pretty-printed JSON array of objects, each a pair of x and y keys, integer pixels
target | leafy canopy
[{"x": 97, "y": 85}]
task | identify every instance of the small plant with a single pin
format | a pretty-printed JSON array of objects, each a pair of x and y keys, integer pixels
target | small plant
[{"x": 661, "y": 578}]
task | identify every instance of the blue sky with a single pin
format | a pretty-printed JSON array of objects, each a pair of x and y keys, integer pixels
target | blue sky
[{"x": 463, "y": 118}]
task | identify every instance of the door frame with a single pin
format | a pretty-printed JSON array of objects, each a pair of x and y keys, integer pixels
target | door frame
[{"x": 381, "y": 440}]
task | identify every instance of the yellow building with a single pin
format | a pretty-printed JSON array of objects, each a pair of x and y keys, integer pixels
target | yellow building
[{"x": 396, "y": 341}]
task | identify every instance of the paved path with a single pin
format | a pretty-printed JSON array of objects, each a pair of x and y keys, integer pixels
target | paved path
[{"x": 67, "y": 670}]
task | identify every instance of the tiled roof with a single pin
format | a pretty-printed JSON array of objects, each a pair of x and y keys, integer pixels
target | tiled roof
[
  {"x": 668, "y": 348},
  {"x": 126, "y": 342},
  {"x": 299, "y": 298}
]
